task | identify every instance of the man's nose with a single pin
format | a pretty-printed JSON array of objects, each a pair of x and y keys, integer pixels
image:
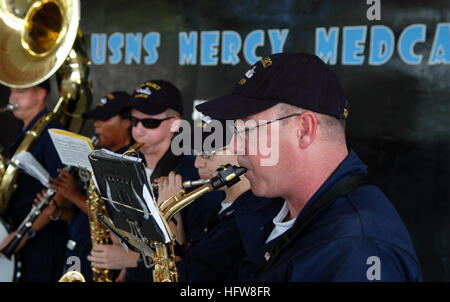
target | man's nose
[
  {"x": 98, "y": 123},
  {"x": 138, "y": 129},
  {"x": 199, "y": 162}
]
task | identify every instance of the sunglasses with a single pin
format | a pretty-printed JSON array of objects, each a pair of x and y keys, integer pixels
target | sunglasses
[{"x": 149, "y": 123}]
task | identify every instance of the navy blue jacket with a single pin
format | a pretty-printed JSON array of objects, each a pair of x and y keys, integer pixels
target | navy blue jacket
[
  {"x": 357, "y": 237},
  {"x": 43, "y": 256},
  {"x": 227, "y": 239}
]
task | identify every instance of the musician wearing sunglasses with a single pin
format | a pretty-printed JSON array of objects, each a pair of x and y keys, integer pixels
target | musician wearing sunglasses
[
  {"x": 333, "y": 225},
  {"x": 155, "y": 110}
]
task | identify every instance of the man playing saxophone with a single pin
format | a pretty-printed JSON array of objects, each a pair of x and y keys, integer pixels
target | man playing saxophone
[
  {"x": 228, "y": 236},
  {"x": 333, "y": 226},
  {"x": 43, "y": 256}
]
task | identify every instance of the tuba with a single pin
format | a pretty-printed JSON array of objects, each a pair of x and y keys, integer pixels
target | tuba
[{"x": 38, "y": 39}]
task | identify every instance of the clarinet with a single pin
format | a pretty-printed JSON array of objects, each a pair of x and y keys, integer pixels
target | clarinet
[{"x": 26, "y": 224}]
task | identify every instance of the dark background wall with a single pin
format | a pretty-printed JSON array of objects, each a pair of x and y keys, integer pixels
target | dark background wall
[{"x": 398, "y": 111}]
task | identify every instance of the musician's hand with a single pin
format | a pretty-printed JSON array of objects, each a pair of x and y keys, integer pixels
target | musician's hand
[
  {"x": 9, "y": 238},
  {"x": 112, "y": 256},
  {"x": 168, "y": 187},
  {"x": 39, "y": 197},
  {"x": 66, "y": 185},
  {"x": 52, "y": 209},
  {"x": 121, "y": 277}
]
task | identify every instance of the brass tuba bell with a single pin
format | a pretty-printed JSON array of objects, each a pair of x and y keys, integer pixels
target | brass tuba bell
[{"x": 36, "y": 37}]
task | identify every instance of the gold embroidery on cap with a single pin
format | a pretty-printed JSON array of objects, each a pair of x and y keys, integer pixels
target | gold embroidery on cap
[
  {"x": 242, "y": 81},
  {"x": 266, "y": 62},
  {"x": 151, "y": 84},
  {"x": 345, "y": 112}
]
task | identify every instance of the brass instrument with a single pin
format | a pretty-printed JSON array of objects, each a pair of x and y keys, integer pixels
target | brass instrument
[
  {"x": 72, "y": 276},
  {"x": 162, "y": 254},
  {"x": 165, "y": 268},
  {"x": 186, "y": 184},
  {"x": 38, "y": 38},
  {"x": 99, "y": 233}
]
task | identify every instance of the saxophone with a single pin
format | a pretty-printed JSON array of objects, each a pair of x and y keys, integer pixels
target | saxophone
[
  {"x": 165, "y": 269},
  {"x": 99, "y": 233},
  {"x": 161, "y": 254}
]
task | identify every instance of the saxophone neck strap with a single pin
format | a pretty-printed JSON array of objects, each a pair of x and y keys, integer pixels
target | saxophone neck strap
[{"x": 280, "y": 243}]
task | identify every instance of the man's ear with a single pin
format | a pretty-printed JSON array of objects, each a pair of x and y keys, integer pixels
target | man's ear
[
  {"x": 175, "y": 124},
  {"x": 307, "y": 128},
  {"x": 126, "y": 123},
  {"x": 41, "y": 94}
]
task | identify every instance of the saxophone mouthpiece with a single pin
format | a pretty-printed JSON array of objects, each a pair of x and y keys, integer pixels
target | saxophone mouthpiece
[
  {"x": 228, "y": 175},
  {"x": 134, "y": 149},
  {"x": 9, "y": 107}
]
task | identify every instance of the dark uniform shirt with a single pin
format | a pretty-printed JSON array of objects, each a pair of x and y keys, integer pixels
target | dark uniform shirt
[
  {"x": 356, "y": 237},
  {"x": 194, "y": 216},
  {"x": 227, "y": 239},
  {"x": 42, "y": 257}
]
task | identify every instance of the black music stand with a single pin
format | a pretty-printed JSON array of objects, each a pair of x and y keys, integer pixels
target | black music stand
[{"x": 125, "y": 191}]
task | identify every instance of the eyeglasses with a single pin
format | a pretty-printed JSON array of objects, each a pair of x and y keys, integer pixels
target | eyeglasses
[
  {"x": 246, "y": 130},
  {"x": 149, "y": 123}
]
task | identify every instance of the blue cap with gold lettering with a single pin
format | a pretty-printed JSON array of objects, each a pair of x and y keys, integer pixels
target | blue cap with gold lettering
[
  {"x": 299, "y": 79},
  {"x": 156, "y": 96},
  {"x": 110, "y": 105}
]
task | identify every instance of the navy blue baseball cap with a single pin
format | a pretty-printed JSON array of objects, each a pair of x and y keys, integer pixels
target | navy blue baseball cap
[
  {"x": 108, "y": 106},
  {"x": 299, "y": 79},
  {"x": 156, "y": 96}
]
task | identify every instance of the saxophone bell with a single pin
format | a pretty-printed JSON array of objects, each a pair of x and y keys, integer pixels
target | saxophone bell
[{"x": 72, "y": 276}]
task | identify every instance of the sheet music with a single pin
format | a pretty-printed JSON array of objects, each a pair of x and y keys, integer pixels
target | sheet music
[
  {"x": 31, "y": 166},
  {"x": 152, "y": 207},
  {"x": 73, "y": 149}
]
